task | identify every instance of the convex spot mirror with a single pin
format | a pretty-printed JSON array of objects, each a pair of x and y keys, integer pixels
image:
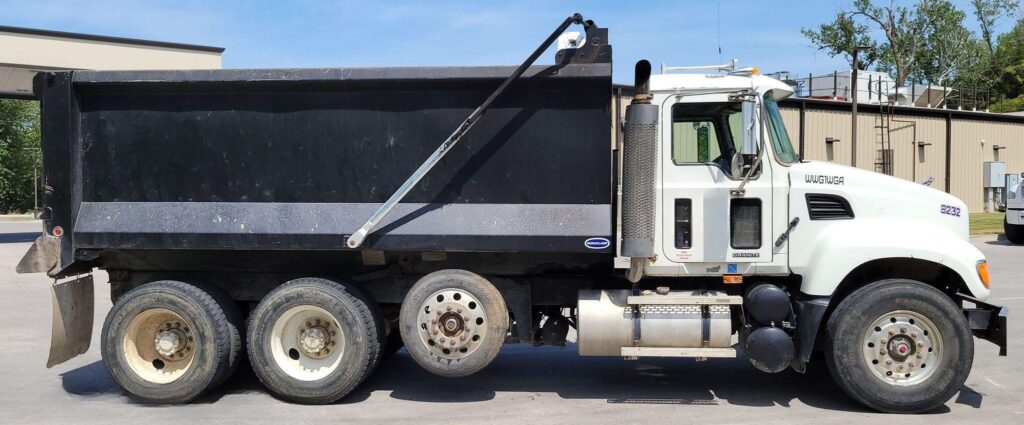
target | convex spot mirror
[{"x": 736, "y": 166}]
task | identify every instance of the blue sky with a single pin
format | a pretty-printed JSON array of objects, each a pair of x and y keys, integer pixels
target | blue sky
[{"x": 322, "y": 33}]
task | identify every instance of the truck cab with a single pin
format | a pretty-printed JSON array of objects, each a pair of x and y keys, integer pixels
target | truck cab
[
  {"x": 734, "y": 197},
  {"x": 735, "y": 210}
]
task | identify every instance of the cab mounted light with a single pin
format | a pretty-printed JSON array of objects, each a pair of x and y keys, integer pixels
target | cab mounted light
[{"x": 982, "y": 267}]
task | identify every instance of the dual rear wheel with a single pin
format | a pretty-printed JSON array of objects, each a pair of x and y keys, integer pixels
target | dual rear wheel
[
  {"x": 169, "y": 341},
  {"x": 310, "y": 340}
]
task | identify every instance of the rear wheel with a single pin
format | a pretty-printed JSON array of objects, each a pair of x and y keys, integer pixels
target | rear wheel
[
  {"x": 899, "y": 346},
  {"x": 168, "y": 342},
  {"x": 453, "y": 322},
  {"x": 313, "y": 340},
  {"x": 1014, "y": 232}
]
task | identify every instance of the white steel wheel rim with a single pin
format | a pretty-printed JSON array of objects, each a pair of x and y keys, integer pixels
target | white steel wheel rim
[
  {"x": 306, "y": 343},
  {"x": 902, "y": 348},
  {"x": 159, "y": 345},
  {"x": 452, "y": 324}
]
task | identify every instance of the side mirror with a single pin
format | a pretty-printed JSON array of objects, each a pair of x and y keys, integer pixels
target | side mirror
[
  {"x": 750, "y": 128},
  {"x": 736, "y": 166}
]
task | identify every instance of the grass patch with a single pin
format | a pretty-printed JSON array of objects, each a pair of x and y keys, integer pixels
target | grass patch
[{"x": 986, "y": 223}]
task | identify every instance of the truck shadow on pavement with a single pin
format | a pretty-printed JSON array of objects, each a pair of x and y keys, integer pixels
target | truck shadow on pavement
[{"x": 535, "y": 371}]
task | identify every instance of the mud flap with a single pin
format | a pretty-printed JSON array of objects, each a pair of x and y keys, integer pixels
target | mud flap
[{"x": 71, "y": 331}]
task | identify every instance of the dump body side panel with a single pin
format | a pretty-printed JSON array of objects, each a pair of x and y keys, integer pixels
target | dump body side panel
[{"x": 297, "y": 159}]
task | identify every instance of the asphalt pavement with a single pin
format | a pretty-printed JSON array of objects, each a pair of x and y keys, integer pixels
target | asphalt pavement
[{"x": 524, "y": 385}]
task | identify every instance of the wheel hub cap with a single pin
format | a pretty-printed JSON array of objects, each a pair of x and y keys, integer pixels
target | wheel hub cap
[
  {"x": 169, "y": 342},
  {"x": 452, "y": 324},
  {"x": 314, "y": 340},
  {"x": 902, "y": 348}
]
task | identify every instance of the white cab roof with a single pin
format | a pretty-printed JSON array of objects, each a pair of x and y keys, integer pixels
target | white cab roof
[{"x": 683, "y": 82}]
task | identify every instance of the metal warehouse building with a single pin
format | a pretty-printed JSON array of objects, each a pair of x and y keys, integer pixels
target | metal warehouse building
[
  {"x": 28, "y": 51},
  {"x": 948, "y": 146}
]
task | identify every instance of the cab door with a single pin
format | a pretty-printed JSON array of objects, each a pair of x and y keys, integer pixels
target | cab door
[{"x": 703, "y": 221}]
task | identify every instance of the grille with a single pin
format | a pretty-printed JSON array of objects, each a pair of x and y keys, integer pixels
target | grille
[{"x": 828, "y": 207}]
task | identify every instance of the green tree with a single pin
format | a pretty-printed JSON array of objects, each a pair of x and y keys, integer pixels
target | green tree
[
  {"x": 948, "y": 47},
  {"x": 1008, "y": 61},
  {"x": 988, "y": 13},
  {"x": 840, "y": 37},
  {"x": 904, "y": 30},
  {"x": 19, "y": 153}
]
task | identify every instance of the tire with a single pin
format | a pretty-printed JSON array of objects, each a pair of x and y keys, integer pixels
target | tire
[
  {"x": 194, "y": 331},
  {"x": 330, "y": 315},
  {"x": 931, "y": 348},
  {"x": 236, "y": 328},
  {"x": 451, "y": 296},
  {"x": 1014, "y": 232}
]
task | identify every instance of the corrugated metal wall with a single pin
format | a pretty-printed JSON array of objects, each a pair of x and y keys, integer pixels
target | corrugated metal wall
[
  {"x": 973, "y": 144},
  {"x": 973, "y": 138}
]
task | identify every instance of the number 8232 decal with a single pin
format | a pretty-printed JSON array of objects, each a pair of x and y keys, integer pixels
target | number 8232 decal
[{"x": 950, "y": 210}]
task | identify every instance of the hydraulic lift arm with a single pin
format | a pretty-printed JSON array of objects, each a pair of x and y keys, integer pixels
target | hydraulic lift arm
[{"x": 356, "y": 239}]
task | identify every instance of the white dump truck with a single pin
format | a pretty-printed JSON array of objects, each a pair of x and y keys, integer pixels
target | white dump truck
[{"x": 310, "y": 218}]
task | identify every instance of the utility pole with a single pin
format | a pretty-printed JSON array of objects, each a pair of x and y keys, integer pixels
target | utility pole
[{"x": 853, "y": 114}]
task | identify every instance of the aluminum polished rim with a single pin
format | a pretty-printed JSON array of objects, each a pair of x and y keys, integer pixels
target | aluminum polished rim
[
  {"x": 159, "y": 345},
  {"x": 902, "y": 348},
  {"x": 452, "y": 324},
  {"x": 307, "y": 343}
]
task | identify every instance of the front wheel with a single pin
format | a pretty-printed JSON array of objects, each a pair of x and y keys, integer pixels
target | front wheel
[{"x": 899, "y": 346}]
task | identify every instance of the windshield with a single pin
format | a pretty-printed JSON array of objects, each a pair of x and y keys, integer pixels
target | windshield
[{"x": 777, "y": 132}]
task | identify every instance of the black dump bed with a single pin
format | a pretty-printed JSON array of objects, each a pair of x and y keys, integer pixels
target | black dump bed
[{"x": 297, "y": 159}]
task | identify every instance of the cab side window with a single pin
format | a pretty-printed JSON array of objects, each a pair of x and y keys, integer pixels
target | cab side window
[
  {"x": 706, "y": 133},
  {"x": 694, "y": 142}
]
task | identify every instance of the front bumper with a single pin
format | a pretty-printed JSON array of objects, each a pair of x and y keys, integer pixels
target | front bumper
[{"x": 987, "y": 321}]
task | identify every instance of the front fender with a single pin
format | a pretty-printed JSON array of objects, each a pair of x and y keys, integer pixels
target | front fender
[{"x": 836, "y": 249}]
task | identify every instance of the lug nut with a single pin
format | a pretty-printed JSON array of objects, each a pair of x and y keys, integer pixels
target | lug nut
[
  {"x": 920, "y": 344},
  {"x": 913, "y": 334},
  {"x": 452, "y": 343},
  {"x": 903, "y": 330},
  {"x": 449, "y": 308},
  {"x": 433, "y": 321},
  {"x": 891, "y": 333},
  {"x": 458, "y": 310},
  {"x": 882, "y": 341},
  {"x": 911, "y": 364},
  {"x": 882, "y": 352},
  {"x": 899, "y": 367},
  {"x": 888, "y": 362},
  {"x": 441, "y": 340},
  {"x": 462, "y": 338}
]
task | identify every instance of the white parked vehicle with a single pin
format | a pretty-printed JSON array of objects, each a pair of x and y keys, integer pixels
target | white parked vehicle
[{"x": 1013, "y": 223}]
